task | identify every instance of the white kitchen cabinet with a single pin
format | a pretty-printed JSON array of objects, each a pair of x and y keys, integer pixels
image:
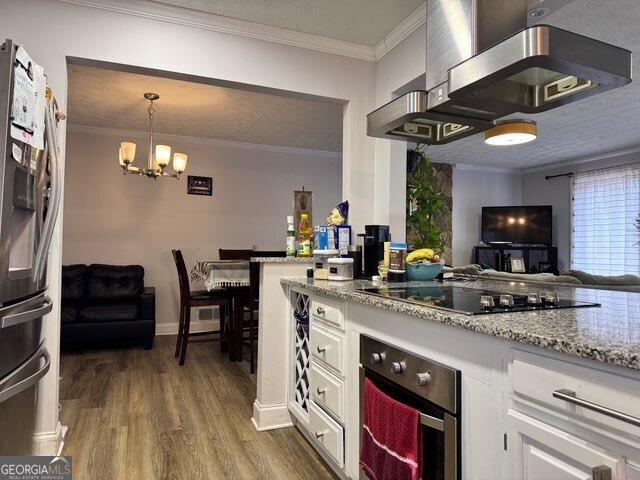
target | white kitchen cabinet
[
  {"x": 632, "y": 472},
  {"x": 537, "y": 451},
  {"x": 327, "y": 347}
]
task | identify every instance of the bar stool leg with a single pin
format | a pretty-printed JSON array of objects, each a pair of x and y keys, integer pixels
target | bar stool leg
[
  {"x": 236, "y": 339},
  {"x": 224, "y": 326},
  {"x": 180, "y": 327},
  {"x": 185, "y": 335},
  {"x": 252, "y": 340}
]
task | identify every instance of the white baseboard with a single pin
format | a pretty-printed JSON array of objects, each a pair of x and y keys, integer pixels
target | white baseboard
[
  {"x": 270, "y": 417},
  {"x": 196, "y": 326},
  {"x": 50, "y": 443}
]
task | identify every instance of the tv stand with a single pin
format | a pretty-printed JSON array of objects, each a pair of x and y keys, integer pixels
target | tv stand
[{"x": 537, "y": 258}]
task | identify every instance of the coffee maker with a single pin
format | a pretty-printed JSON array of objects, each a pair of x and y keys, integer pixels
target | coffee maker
[{"x": 374, "y": 238}]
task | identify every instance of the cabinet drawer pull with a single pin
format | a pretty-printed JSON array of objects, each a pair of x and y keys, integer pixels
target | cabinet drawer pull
[
  {"x": 320, "y": 311},
  {"x": 321, "y": 349},
  {"x": 320, "y": 433},
  {"x": 570, "y": 397},
  {"x": 321, "y": 390}
]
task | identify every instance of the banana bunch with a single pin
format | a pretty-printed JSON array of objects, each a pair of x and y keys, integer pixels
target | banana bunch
[{"x": 421, "y": 255}]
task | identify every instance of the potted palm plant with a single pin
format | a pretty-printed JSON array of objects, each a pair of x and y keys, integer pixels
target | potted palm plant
[{"x": 426, "y": 206}]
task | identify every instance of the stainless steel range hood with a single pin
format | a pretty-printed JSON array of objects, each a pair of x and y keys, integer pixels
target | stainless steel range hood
[
  {"x": 517, "y": 68},
  {"x": 408, "y": 118}
]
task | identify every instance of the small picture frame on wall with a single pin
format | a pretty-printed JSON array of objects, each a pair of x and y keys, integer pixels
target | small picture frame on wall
[
  {"x": 517, "y": 265},
  {"x": 199, "y": 185}
]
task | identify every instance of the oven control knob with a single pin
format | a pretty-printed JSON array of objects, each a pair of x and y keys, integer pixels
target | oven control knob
[
  {"x": 506, "y": 300},
  {"x": 550, "y": 298},
  {"x": 398, "y": 367},
  {"x": 423, "y": 378},
  {"x": 377, "y": 358}
]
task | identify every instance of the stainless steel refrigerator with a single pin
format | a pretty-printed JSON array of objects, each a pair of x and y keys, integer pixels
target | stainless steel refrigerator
[{"x": 29, "y": 200}]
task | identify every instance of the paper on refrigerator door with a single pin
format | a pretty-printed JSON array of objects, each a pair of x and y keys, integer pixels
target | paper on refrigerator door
[{"x": 29, "y": 101}]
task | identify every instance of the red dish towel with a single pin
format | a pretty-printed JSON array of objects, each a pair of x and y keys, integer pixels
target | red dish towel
[{"x": 390, "y": 437}]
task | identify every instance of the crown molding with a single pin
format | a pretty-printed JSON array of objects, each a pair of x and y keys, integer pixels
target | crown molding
[
  {"x": 405, "y": 28},
  {"x": 203, "y": 141},
  {"x": 577, "y": 161},
  {"x": 218, "y": 23}
]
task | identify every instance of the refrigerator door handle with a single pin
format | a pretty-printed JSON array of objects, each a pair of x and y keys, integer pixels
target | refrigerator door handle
[
  {"x": 54, "y": 196},
  {"x": 8, "y": 392},
  {"x": 15, "y": 314}
]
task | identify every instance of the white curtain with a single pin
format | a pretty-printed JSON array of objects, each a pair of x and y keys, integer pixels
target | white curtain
[{"x": 605, "y": 204}]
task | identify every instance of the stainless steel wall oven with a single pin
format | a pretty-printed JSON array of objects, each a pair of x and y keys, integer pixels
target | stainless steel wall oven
[{"x": 431, "y": 388}]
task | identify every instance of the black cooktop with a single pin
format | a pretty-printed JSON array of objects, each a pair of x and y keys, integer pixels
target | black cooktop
[{"x": 473, "y": 301}]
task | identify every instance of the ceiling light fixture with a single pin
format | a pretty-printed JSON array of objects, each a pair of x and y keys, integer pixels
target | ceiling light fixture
[
  {"x": 511, "y": 132},
  {"x": 158, "y": 160}
]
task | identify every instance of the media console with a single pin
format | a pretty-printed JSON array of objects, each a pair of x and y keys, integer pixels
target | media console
[{"x": 536, "y": 258}]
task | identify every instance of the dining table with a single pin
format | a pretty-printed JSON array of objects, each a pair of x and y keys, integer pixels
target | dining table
[{"x": 234, "y": 277}]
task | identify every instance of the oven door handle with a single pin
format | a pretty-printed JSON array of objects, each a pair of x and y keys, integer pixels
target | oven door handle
[{"x": 432, "y": 422}]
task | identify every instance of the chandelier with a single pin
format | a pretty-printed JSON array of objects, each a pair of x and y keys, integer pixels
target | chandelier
[{"x": 158, "y": 160}]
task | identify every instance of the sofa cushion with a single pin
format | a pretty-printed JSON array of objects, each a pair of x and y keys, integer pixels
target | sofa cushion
[
  {"x": 114, "y": 282},
  {"x": 74, "y": 278},
  {"x": 110, "y": 312},
  {"x": 617, "y": 280},
  {"x": 68, "y": 314}
]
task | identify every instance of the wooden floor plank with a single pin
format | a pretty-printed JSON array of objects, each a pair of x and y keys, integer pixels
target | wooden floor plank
[{"x": 135, "y": 414}]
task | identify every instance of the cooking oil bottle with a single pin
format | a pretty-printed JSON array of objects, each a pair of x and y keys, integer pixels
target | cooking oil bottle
[{"x": 305, "y": 234}]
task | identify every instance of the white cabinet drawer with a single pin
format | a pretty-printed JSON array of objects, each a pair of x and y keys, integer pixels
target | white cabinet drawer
[
  {"x": 327, "y": 346},
  {"x": 327, "y": 432},
  {"x": 538, "y": 451},
  {"x": 327, "y": 390},
  {"x": 327, "y": 311},
  {"x": 535, "y": 378}
]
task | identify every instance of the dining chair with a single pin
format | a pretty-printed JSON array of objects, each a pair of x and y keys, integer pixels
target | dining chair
[
  {"x": 197, "y": 298},
  {"x": 251, "y": 303}
]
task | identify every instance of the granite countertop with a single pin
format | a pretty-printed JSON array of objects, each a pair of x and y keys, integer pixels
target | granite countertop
[
  {"x": 282, "y": 259},
  {"x": 610, "y": 333}
]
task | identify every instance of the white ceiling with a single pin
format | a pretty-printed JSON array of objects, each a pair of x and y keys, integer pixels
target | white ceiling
[
  {"x": 364, "y": 22},
  {"x": 595, "y": 125},
  {"x": 113, "y": 100}
]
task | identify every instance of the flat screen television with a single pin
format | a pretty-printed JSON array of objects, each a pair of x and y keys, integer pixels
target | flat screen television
[{"x": 530, "y": 225}]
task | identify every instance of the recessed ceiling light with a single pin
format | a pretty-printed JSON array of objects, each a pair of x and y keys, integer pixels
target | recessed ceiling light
[{"x": 511, "y": 132}]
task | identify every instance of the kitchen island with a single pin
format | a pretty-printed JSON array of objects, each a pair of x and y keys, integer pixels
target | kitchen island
[{"x": 514, "y": 370}]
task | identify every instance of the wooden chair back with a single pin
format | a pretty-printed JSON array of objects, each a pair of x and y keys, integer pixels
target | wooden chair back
[{"x": 183, "y": 275}]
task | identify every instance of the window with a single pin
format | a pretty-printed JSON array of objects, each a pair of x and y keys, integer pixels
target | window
[{"x": 605, "y": 204}]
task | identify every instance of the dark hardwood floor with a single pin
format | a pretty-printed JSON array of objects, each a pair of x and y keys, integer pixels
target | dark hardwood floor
[{"x": 135, "y": 414}]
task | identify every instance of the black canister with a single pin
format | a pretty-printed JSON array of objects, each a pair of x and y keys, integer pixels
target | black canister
[
  {"x": 355, "y": 252},
  {"x": 374, "y": 238}
]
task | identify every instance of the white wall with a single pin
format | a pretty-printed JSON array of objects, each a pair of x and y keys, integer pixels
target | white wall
[
  {"x": 116, "y": 219},
  {"x": 400, "y": 66},
  {"x": 474, "y": 188},
  {"x": 557, "y": 193},
  {"x": 65, "y": 29}
]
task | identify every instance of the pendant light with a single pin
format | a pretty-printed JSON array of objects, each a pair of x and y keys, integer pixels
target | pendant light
[{"x": 158, "y": 156}]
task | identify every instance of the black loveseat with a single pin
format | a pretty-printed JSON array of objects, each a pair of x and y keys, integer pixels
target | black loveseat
[{"x": 106, "y": 304}]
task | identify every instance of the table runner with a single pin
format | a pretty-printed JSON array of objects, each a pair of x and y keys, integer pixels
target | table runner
[{"x": 221, "y": 273}]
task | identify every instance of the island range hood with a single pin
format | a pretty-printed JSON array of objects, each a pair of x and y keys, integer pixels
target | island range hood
[{"x": 516, "y": 68}]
